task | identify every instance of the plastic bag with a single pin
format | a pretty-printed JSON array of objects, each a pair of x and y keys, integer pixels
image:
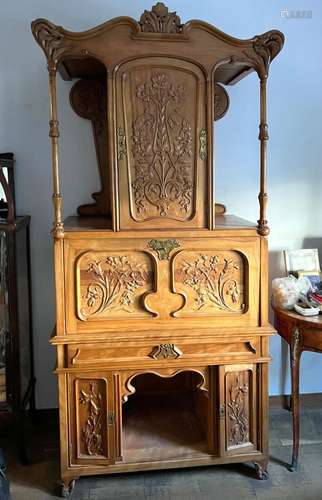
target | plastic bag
[{"x": 286, "y": 291}]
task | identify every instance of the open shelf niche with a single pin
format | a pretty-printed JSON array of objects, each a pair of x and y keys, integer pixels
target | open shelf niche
[{"x": 165, "y": 418}]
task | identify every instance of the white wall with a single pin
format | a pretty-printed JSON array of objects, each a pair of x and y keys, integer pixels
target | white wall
[{"x": 295, "y": 110}]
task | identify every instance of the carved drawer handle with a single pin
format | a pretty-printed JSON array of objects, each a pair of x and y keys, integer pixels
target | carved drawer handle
[{"x": 165, "y": 351}]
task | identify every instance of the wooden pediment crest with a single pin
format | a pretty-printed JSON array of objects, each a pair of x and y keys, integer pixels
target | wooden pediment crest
[{"x": 160, "y": 20}]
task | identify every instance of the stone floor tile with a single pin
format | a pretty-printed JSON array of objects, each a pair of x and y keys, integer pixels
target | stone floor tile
[
  {"x": 311, "y": 491},
  {"x": 230, "y": 482},
  {"x": 105, "y": 493}
]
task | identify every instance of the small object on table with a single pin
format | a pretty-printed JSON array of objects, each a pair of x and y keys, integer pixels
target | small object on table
[
  {"x": 303, "y": 259},
  {"x": 306, "y": 309},
  {"x": 287, "y": 291},
  {"x": 302, "y": 334}
]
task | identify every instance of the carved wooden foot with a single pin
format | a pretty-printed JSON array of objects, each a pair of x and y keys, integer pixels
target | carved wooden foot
[
  {"x": 261, "y": 471},
  {"x": 67, "y": 488}
]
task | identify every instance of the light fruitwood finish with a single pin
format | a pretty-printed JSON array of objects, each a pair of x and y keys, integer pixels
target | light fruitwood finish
[
  {"x": 116, "y": 44},
  {"x": 162, "y": 313}
]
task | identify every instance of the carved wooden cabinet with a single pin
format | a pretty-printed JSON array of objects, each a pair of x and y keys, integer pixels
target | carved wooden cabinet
[{"x": 162, "y": 328}]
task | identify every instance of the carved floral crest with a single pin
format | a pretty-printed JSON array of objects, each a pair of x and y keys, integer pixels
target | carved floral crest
[{"x": 160, "y": 20}]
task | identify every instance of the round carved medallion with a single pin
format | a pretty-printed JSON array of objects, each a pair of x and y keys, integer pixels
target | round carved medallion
[{"x": 221, "y": 102}]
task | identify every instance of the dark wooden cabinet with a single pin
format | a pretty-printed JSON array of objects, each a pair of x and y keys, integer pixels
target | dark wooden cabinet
[
  {"x": 161, "y": 297},
  {"x": 16, "y": 353}
]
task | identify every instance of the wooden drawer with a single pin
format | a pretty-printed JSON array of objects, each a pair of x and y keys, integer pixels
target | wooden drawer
[{"x": 117, "y": 353}]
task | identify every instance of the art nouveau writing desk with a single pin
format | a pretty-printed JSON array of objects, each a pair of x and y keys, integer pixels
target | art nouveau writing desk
[{"x": 162, "y": 328}]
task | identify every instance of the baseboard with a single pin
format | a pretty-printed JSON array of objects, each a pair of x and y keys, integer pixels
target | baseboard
[{"x": 312, "y": 400}]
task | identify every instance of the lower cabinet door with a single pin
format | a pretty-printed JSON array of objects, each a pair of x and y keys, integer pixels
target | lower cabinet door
[
  {"x": 91, "y": 419},
  {"x": 238, "y": 409}
]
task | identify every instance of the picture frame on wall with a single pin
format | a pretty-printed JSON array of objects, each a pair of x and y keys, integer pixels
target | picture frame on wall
[{"x": 302, "y": 260}]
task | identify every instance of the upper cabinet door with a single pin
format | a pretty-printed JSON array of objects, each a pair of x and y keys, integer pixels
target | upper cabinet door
[{"x": 161, "y": 144}]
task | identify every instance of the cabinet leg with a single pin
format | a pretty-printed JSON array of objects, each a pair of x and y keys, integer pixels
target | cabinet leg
[
  {"x": 67, "y": 487},
  {"x": 261, "y": 470}
]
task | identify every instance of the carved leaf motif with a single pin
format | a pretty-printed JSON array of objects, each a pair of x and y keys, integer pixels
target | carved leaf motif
[
  {"x": 213, "y": 279},
  {"x": 160, "y": 20},
  {"x": 237, "y": 413},
  {"x": 92, "y": 429},
  {"x": 162, "y": 149},
  {"x": 268, "y": 45},
  {"x": 114, "y": 285},
  {"x": 50, "y": 38}
]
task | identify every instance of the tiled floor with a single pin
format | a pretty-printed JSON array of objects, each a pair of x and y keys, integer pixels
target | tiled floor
[{"x": 237, "y": 482}]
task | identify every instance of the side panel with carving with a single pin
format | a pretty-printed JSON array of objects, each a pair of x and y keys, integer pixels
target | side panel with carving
[
  {"x": 162, "y": 171},
  {"x": 91, "y": 419},
  {"x": 238, "y": 397},
  {"x": 214, "y": 282},
  {"x": 110, "y": 284}
]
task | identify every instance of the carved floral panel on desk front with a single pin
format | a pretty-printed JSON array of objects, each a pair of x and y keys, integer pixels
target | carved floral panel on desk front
[
  {"x": 161, "y": 130},
  {"x": 91, "y": 418},
  {"x": 213, "y": 282},
  {"x": 110, "y": 285},
  {"x": 238, "y": 400}
]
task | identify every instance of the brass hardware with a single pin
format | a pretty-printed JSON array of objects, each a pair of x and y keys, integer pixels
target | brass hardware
[
  {"x": 203, "y": 144},
  {"x": 221, "y": 411},
  {"x": 295, "y": 345},
  {"x": 111, "y": 418},
  {"x": 165, "y": 351},
  {"x": 121, "y": 151},
  {"x": 163, "y": 247}
]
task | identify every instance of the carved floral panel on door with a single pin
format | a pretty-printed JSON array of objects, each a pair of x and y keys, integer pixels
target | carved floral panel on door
[
  {"x": 110, "y": 285},
  {"x": 91, "y": 418},
  {"x": 161, "y": 113},
  {"x": 213, "y": 282},
  {"x": 238, "y": 395}
]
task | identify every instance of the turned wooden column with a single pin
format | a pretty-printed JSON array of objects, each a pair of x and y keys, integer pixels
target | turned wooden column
[
  {"x": 58, "y": 229},
  {"x": 263, "y": 228}
]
